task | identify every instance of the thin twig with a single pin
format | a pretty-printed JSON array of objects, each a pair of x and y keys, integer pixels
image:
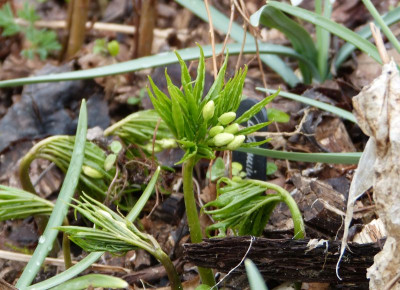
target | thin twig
[
  {"x": 229, "y": 30},
  {"x": 376, "y": 33},
  {"x": 215, "y": 69}
]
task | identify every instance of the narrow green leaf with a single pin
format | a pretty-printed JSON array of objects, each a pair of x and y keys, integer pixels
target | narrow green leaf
[
  {"x": 297, "y": 35},
  {"x": 389, "y": 18},
  {"x": 61, "y": 206},
  {"x": 256, "y": 108},
  {"x": 252, "y": 129},
  {"x": 331, "y": 26},
  {"x": 334, "y": 158},
  {"x": 277, "y": 115},
  {"x": 200, "y": 79},
  {"x": 255, "y": 279},
  {"x": 323, "y": 106}
]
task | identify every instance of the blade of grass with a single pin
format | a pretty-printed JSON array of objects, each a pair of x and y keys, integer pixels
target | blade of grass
[
  {"x": 386, "y": 30},
  {"x": 256, "y": 281},
  {"x": 61, "y": 207},
  {"x": 323, "y": 38},
  {"x": 221, "y": 22},
  {"x": 161, "y": 59},
  {"x": 331, "y": 26},
  {"x": 299, "y": 38},
  {"x": 93, "y": 257},
  {"x": 320, "y": 105},
  {"x": 344, "y": 52},
  {"x": 334, "y": 158},
  {"x": 94, "y": 281}
]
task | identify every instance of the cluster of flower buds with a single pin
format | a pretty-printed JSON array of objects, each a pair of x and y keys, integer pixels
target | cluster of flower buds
[{"x": 224, "y": 133}]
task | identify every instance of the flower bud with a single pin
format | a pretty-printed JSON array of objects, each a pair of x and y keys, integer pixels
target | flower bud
[
  {"x": 233, "y": 128},
  {"x": 167, "y": 143},
  {"x": 91, "y": 172},
  {"x": 226, "y": 118},
  {"x": 208, "y": 110},
  {"x": 105, "y": 214},
  {"x": 215, "y": 130},
  {"x": 222, "y": 139},
  {"x": 236, "y": 142}
]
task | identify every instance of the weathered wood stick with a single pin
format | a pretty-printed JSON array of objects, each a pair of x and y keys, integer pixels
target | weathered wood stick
[{"x": 286, "y": 259}]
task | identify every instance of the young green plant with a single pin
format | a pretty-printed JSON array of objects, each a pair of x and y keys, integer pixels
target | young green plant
[{"x": 202, "y": 125}]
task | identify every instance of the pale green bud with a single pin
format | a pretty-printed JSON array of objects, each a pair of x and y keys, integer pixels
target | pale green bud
[
  {"x": 226, "y": 118},
  {"x": 91, "y": 172},
  {"x": 105, "y": 214},
  {"x": 233, "y": 128},
  {"x": 167, "y": 143},
  {"x": 215, "y": 130},
  {"x": 110, "y": 161},
  {"x": 236, "y": 142},
  {"x": 149, "y": 147},
  {"x": 113, "y": 47},
  {"x": 222, "y": 139},
  {"x": 208, "y": 110}
]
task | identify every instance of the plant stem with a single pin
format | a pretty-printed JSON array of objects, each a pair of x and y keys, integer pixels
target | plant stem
[
  {"x": 170, "y": 268},
  {"x": 206, "y": 275},
  {"x": 299, "y": 231}
]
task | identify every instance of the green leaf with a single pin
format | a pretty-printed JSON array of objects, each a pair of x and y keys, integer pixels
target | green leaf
[
  {"x": 93, "y": 281},
  {"x": 334, "y": 158},
  {"x": 200, "y": 79},
  {"x": 254, "y": 144},
  {"x": 161, "y": 59},
  {"x": 389, "y": 18},
  {"x": 277, "y": 115},
  {"x": 297, "y": 35},
  {"x": 7, "y": 21},
  {"x": 321, "y": 105},
  {"x": 271, "y": 168},
  {"x": 256, "y": 108},
  {"x": 252, "y": 129},
  {"x": 217, "y": 169},
  {"x": 255, "y": 279},
  {"x": 116, "y": 147},
  {"x": 28, "y": 13},
  {"x": 329, "y": 25},
  {"x": 61, "y": 206}
]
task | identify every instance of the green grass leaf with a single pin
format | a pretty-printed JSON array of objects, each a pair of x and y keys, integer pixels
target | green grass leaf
[
  {"x": 329, "y": 25},
  {"x": 94, "y": 281},
  {"x": 334, "y": 158},
  {"x": 61, "y": 206},
  {"x": 320, "y": 105},
  {"x": 297, "y": 35},
  {"x": 256, "y": 281}
]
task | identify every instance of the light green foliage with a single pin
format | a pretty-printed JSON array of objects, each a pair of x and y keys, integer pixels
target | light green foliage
[
  {"x": 218, "y": 170},
  {"x": 17, "y": 204},
  {"x": 93, "y": 281},
  {"x": 198, "y": 122},
  {"x": 271, "y": 168},
  {"x": 40, "y": 41},
  {"x": 101, "y": 46},
  {"x": 113, "y": 48},
  {"x": 113, "y": 233},
  {"x": 58, "y": 149},
  {"x": 277, "y": 115},
  {"x": 255, "y": 279},
  {"x": 243, "y": 206},
  {"x": 138, "y": 128}
]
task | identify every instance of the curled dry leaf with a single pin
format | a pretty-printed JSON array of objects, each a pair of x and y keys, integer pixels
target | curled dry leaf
[{"x": 377, "y": 109}]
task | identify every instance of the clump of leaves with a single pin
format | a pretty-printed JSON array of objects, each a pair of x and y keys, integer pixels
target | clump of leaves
[
  {"x": 58, "y": 149},
  {"x": 115, "y": 234},
  {"x": 138, "y": 128},
  {"x": 103, "y": 46},
  {"x": 17, "y": 204},
  {"x": 204, "y": 123},
  {"x": 40, "y": 41},
  {"x": 243, "y": 207}
]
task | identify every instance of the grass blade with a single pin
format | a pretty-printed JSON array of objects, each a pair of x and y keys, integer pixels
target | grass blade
[
  {"x": 256, "y": 281},
  {"x": 60, "y": 209},
  {"x": 320, "y": 105},
  {"x": 330, "y": 26},
  {"x": 94, "y": 281},
  {"x": 161, "y": 59},
  {"x": 344, "y": 52},
  {"x": 323, "y": 38},
  {"x": 334, "y": 158},
  {"x": 296, "y": 34}
]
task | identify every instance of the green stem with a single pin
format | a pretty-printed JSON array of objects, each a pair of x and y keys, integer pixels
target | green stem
[
  {"x": 170, "y": 268},
  {"x": 299, "y": 230},
  {"x": 206, "y": 275}
]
